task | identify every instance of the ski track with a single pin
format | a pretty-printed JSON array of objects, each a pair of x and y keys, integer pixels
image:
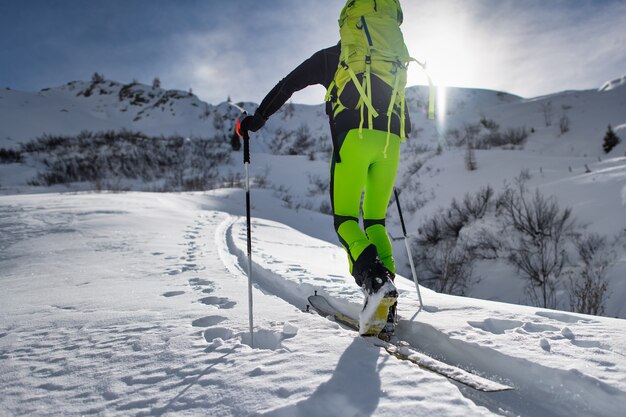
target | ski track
[
  {"x": 535, "y": 384},
  {"x": 180, "y": 345},
  {"x": 165, "y": 351}
]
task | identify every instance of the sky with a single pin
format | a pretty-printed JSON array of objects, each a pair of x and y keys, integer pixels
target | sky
[{"x": 242, "y": 48}]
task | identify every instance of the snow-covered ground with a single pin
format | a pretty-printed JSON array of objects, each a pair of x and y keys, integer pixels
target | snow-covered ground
[{"x": 136, "y": 304}]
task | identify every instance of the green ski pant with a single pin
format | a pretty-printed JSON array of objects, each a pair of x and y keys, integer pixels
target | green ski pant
[{"x": 368, "y": 166}]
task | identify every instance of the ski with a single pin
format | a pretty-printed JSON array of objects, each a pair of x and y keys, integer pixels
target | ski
[{"x": 404, "y": 351}]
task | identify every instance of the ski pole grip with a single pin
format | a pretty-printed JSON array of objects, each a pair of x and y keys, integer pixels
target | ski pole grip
[
  {"x": 246, "y": 147},
  {"x": 395, "y": 192}
]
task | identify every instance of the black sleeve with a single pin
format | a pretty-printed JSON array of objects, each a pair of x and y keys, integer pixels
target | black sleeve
[{"x": 310, "y": 72}]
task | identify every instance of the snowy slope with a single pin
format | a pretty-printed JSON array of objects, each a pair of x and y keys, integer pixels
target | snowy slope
[
  {"x": 105, "y": 105},
  {"x": 556, "y": 162},
  {"x": 135, "y": 304}
]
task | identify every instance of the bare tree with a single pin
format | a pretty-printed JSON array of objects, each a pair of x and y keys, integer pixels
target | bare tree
[
  {"x": 564, "y": 123},
  {"x": 588, "y": 291},
  {"x": 547, "y": 112},
  {"x": 447, "y": 267},
  {"x": 470, "y": 158},
  {"x": 539, "y": 245},
  {"x": 446, "y": 257}
]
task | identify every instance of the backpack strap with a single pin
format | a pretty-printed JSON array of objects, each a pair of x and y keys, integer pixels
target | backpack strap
[
  {"x": 366, "y": 100},
  {"x": 368, "y": 87},
  {"x": 392, "y": 104}
]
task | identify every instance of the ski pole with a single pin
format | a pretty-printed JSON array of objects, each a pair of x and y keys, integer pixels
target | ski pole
[
  {"x": 246, "y": 163},
  {"x": 408, "y": 249}
]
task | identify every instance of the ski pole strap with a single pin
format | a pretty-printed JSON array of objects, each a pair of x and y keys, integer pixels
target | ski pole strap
[{"x": 395, "y": 192}]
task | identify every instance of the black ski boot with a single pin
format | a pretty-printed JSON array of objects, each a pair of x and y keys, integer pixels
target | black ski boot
[
  {"x": 369, "y": 272},
  {"x": 380, "y": 294}
]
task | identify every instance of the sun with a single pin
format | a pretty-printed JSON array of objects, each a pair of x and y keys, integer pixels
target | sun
[
  {"x": 447, "y": 43},
  {"x": 449, "y": 62}
]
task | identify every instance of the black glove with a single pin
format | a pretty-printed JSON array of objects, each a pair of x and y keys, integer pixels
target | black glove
[{"x": 252, "y": 123}]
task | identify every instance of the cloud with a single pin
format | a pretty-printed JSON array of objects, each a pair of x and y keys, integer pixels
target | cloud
[
  {"x": 243, "y": 48},
  {"x": 243, "y": 54},
  {"x": 528, "y": 48}
]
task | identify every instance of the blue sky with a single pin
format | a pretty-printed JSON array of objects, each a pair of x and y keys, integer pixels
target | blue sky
[{"x": 241, "y": 48}]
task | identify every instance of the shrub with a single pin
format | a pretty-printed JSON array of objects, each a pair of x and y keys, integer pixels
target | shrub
[
  {"x": 538, "y": 247},
  {"x": 588, "y": 290},
  {"x": 611, "y": 140},
  {"x": 9, "y": 156},
  {"x": 183, "y": 163}
]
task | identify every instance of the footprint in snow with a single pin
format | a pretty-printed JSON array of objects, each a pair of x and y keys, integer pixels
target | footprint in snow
[
  {"x": 190, "y": 267},
  {"x": 199, "y": 282},
  {"x": 539, "y": 328},
  {"x": 219, "y": 302},
  {"x": 172, "y": 293},
  {"x": 496, "y": 326},
  {"x": 562, "y": 317},
  {"x": 207, "y": 321},
  {"x": 213, "y": 333},
  {"x": 203, "y": 285},
  {"x": 270, "y": 340}
]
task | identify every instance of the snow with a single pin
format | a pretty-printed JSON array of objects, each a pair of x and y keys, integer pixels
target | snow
[
  {"x": 136, "y": 304},
  {"x": 613, "y": 84}
]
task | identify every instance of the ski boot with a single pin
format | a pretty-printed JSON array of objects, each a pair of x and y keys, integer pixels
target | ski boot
[
  {"x": 380, "y": 293},
  {"x": 389, "y": 330}
]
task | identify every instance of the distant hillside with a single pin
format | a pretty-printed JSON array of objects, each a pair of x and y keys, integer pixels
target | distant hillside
[{"x": 485, "y": 146}]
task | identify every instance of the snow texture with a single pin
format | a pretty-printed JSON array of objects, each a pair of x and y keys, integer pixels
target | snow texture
[{"x": 135, "y": 304}]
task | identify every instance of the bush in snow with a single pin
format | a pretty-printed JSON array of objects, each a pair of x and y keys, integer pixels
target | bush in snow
[
  {"x": 546, "y": 108},
  {"x": 318, "y": 186},
  {"x": 525, "y": 230},
  {"x": 564, "y": 123},
  {"x": 539, "y": 233},
  {"x": 302, "y": 142},
  {"x": 9, "y": 156},
  {"x": 611, "y": 140},
  {"x": 486, "y": 135},
  {"x": 298, "y": 142},
  {"x": 181, "y": 163},
  {"x": 445, "y": 255},
  {"x": 470, "y": 158},
  {"x": 96, "y": 79},
  {"x": 448, "y": 267},
  {"x": 588, "y": 288}
]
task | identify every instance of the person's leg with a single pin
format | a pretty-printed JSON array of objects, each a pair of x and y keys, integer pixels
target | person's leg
[
  {"x": 378, "y": 188},
  {"x": 347, "y": 181}
]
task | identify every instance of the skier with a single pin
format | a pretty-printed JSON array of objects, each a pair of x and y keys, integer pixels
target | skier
[{"x": 365, "y": 159}]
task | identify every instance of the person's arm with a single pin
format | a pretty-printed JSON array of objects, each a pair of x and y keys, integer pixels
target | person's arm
[{"x": 312, "y": 71}]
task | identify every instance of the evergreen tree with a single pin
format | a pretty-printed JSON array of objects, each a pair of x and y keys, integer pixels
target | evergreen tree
[
  {"x": 97, "y": 78},
  {"x": 610, "y": 140}
]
